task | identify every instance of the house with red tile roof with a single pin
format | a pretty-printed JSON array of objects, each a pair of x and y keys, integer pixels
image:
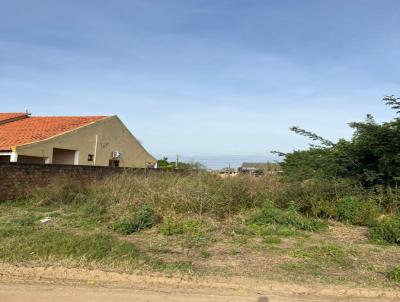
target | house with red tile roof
[{"x": 70, "y": 140}]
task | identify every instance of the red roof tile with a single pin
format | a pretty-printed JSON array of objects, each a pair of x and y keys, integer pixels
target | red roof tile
[{"x": 34, "y": 129}]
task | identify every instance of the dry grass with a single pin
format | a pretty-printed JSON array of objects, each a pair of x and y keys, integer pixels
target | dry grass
[{"x": 194, "y": 224}]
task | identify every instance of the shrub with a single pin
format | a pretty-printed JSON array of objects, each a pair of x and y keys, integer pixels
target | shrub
[
  {"x": 169, "y": 228},
  {"x": 349, "y": 210},
  {"x": 145, "y": 218},
  {"x": 323, "y": 208},
  {"x": 312, "y": 197},
  {"x": 387, "y": 230},
  {"x": 356, "y": 211},
  {"x": 269, "y": 214},
  {"x": 370, "y": 213}
]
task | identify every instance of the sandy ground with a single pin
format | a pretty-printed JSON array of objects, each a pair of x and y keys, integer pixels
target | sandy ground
[
  {"x": 80, "y": 293},
  {"x": 42, "y": 284}
]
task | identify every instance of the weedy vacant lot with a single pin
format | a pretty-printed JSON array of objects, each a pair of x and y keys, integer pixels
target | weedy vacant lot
[{"x": 264, "y": 228}]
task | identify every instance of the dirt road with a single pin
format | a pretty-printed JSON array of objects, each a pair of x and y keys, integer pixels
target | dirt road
[
  {"x": 48, "y": 284},
  {"x": 68, "y": 293},
  {"x": 79, "y": 293}
]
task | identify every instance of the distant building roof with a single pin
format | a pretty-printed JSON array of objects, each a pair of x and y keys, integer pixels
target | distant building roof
[
  {"x": 20, "y": 128},
  {"x": 253, "y": 165},
  {"x": 260, "y": 166}
]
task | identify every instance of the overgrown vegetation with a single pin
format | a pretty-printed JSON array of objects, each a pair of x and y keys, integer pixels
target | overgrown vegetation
[
  {"x": 369, "y": 165},
  {"x": 186, "y": 222},
  {"x": 182, "y": 221}
]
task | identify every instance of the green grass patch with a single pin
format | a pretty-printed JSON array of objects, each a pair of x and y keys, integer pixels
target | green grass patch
[
  {"x": 143, "y": 219},
  {"x": 46, "y": 244},
  {"x": 180, "y": 266},
  {"x": 328, "y": 262},
  {"x": 195, "y": 232},
  {"x": 272, "y": 224},
  {"x": 271, "y": 240},
  {"x": 394, "y": 274},
  {"x": 290, "y": 266},
  {"x": 28, "y": 220},
  {"x": 326, "y": 255},
  {"x": 205, "y": 254},
  {"x": 270, "y": 215},
  {"x": 190, "y": 226}
]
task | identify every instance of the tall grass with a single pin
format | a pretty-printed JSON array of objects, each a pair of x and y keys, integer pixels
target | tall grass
[
  {"x": 122, "y": 199},
  {"x": 198, "y": 194},
  {"x": 207, "y": 194}
]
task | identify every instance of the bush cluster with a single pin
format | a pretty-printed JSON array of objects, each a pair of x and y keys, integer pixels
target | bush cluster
[
  {"x": 387, "y": 230},
  {"x": 357, "y": 211}
]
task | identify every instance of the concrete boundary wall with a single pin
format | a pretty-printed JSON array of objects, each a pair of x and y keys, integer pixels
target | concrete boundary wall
[{"x": 18, "y": 180}]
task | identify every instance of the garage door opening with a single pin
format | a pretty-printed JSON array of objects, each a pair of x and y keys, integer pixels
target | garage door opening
[{"x": 65, "y": 157}]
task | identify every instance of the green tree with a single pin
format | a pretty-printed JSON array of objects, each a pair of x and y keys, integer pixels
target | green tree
[{"x": 371, "y": 157}]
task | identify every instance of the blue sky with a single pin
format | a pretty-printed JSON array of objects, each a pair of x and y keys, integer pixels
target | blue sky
[{"x": 204, "y": 77}]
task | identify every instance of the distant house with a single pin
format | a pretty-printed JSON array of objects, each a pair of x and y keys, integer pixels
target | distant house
[
  {"x": 228, "y": 172},
  {"x": 258, "y": 169},
  {"x": 70, "y": 140}
]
